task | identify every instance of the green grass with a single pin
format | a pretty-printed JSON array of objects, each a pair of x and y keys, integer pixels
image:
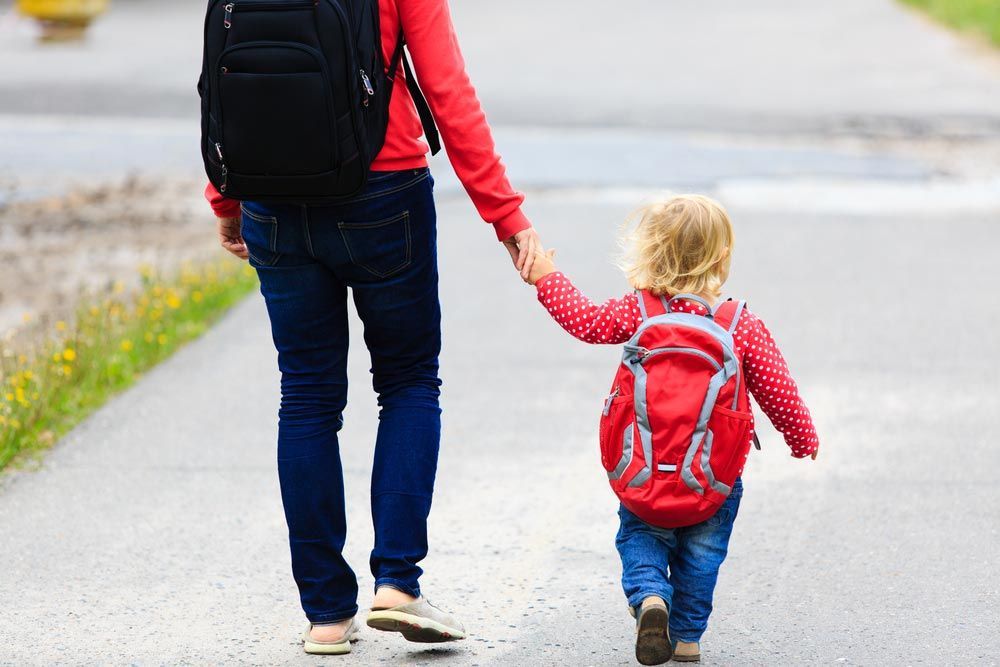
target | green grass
[
  {"x": 975, "y": 16},
  {"x": 51, "y": 384}
]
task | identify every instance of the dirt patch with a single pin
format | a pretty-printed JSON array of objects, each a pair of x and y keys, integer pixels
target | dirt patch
[{"x": 54, "y": 250}]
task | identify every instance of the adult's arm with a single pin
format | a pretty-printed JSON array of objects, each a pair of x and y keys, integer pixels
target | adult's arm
[{"x": 440, "y": 69}]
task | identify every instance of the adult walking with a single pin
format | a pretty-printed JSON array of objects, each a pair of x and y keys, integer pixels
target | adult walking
[{"x": 379, "y": 245}]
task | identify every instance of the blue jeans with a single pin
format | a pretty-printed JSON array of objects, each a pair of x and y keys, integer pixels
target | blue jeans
[
  {"x": 382, "y": 245},
  {"x": 680, "y": 565}
]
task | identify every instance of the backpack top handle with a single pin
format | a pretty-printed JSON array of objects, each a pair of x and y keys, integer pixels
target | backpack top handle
[{"x": 667, "y": 305}]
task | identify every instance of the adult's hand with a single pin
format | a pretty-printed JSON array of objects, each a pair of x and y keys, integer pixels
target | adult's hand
[
  {"x": 231, "y": 236},
  {"x": 522, "y": 248}
]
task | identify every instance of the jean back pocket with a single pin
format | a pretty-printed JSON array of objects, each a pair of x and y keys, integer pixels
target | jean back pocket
[{"x": 383, "y": 248}]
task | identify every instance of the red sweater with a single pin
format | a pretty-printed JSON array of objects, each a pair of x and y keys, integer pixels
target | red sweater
[
  {"x": 438, "y": 62},
  {"x": 764, "y": 368}
]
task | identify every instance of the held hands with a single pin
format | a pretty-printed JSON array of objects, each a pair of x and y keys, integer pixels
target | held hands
[
  {"x": 522, "y": 248},
  {"x": 528, "y": 255},
  {"x": 542, "y": 266}
]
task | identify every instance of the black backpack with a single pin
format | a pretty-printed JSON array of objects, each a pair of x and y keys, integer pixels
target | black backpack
[{"x": 295, "y": 97}]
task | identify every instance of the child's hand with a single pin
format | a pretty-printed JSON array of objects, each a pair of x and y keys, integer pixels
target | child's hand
[{"x": 543, "y": 265}]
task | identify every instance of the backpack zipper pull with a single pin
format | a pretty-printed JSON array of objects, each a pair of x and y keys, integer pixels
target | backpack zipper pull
[
  {"x": 218, "y": 151},
  {"x": 225, "y": 179},
  {"x": 610, "y": 399},
  {"x": 227, "y": 21},
  {"x": 367, "y": 83},
  {"x": 640, "y": 355}
]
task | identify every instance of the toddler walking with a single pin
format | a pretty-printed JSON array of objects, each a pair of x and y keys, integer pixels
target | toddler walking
[{"x": 677, "y": 427}]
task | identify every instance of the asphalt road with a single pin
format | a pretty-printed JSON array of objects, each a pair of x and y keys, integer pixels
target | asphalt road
[{"x": 153, "y": 533}]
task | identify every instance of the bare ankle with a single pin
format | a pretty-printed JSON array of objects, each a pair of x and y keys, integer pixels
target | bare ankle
[
  {"x": 387, "y": 596},
  {"x": 330, "y": 632}
]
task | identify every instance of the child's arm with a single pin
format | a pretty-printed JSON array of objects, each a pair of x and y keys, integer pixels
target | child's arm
[
  {"x": 614, "y": 322},
  {"x": 771, "y": 383}
]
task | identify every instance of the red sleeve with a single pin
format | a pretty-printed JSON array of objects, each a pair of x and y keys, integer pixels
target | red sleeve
[
  {"x": 771, "y": 384},
  {"x": 440, "y": 69},
  {"x": 614, "y": 322},
  {"x": 222, "y": 206}
]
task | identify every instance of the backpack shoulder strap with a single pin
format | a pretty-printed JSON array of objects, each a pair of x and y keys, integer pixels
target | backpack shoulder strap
[
  {"x": 651, "y": 305},
  {"x": 727, "y": 314},
  {"x": 419, "y": 101}
]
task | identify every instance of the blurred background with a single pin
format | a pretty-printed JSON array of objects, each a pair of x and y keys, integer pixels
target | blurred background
[{"x": 857, "y": 146}]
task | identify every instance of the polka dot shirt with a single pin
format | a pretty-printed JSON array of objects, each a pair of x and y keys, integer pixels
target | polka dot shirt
[{"x": 764, "y": 368}]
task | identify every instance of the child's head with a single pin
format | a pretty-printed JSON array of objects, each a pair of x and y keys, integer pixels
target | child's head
[{"x": 681, "y": 245}]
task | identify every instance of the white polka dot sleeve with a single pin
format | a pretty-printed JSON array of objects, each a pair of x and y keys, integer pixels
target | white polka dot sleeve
[
  {"x": 612, "y": 323},
  {"x": 771, "y": 384}
]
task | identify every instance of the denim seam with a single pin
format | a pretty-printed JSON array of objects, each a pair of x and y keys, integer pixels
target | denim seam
[
  {"x": 333, "y": 617},
  {"x": 305, "y": 228},
  {"x": 376, "y": 195},
  {"x": 266, "y": 219}
]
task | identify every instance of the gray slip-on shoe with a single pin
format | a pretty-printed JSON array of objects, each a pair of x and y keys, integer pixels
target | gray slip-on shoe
[
  {"x": 652, "y": 639},
  {"x": 339, "y": 647},
  {"x": 417, "y": 621}
]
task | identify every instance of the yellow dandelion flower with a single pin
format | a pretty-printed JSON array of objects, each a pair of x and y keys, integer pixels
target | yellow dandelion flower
[
  {"x": 126, "y": 345},
  {"x": 19, "y": 395},
  {"x": 173, "y": 301},
  {"x": 67, "y": 369},
  {"x": 60, "y": 326},
  {"x": 9, "y": 396},
  {"x": 3, "y": 420},
  {"x": 69, "y": 354},
  {"x": 162, "y": 339},
  {"x": 57, "y": 357},
  {"x": 15, "y": 423},
  {"x": 26, "y": 318},
  {"x": 29, "y": 376},
  {"x": 95, "y": 311},
  {"x": 197, "y": 296}
]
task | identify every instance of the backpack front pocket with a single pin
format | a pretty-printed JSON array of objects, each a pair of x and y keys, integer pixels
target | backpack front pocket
[
  {"x": 275, "y": 110},
  {"x": 729, "y": 444},
  {"x": 617, "y": 435}
]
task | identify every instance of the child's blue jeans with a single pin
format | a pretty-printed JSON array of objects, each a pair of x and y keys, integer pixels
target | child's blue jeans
[{"x": 680, "y": 565}]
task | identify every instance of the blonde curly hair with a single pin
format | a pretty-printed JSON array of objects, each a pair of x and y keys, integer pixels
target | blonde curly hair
[{"x": 681, "y": 245}]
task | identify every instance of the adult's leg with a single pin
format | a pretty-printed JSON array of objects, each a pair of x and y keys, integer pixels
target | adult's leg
[
  {"x": 694, "y": 569},
  {"x": 307, "y": 305},
  {"x": 392, "y": 245}
]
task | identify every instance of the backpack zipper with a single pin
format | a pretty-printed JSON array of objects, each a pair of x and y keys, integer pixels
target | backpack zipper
[
  {"x": 232, "y": 7},
  {"x": 610, "y": 399},
  {"x": 642, "y": 354},
  {"x": 367, "y": 85}
]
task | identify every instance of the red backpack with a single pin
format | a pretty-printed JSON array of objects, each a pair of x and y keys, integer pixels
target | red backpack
[{"x": 675, "y": 429}]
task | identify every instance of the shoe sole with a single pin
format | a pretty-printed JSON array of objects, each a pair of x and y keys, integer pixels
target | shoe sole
[
  {"x": 652, "y": 642},
  {"x": 332, "y": 648},
  {"x": 414, "y": 628},
  {"x": 687, "y": 658}
]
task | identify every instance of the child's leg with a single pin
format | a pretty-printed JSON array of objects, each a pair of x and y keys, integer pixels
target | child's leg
[
  {"x": 694, "y": 569},
  {"x": 645, "y": 553}
]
